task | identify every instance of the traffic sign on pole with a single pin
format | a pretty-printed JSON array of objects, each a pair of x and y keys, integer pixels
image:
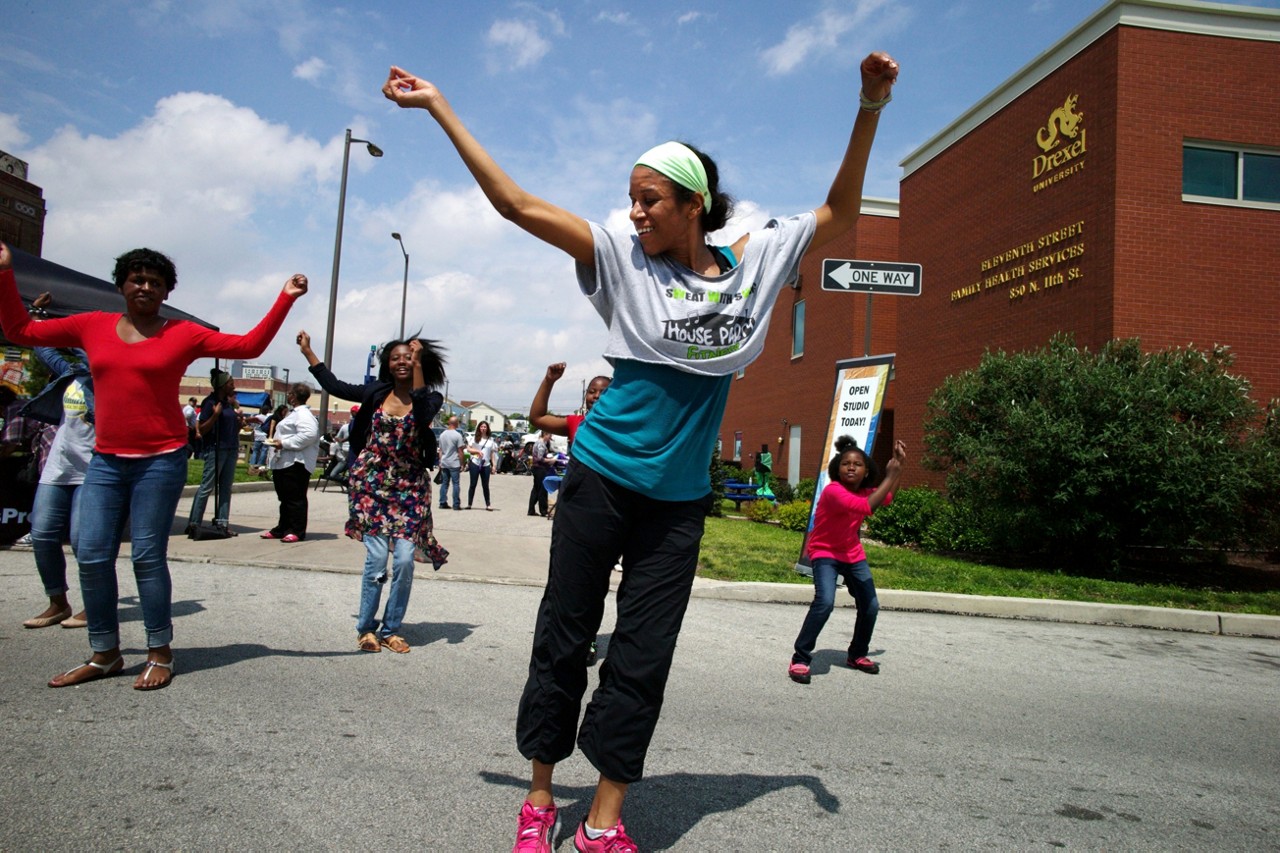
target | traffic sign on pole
[{"x": 881, "y": 277}]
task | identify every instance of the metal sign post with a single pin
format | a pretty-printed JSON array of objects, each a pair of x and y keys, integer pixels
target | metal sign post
[{"x": 871, "y": 277}]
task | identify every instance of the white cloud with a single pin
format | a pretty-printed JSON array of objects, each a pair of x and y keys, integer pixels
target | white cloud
[
  {"x": 838, "y": 28},
  {"x": 311, "y": 69},
  {"x": 690, "y": 17},
  {"x": 12, "y": 137},
  {"x": 519, "y": 42}
]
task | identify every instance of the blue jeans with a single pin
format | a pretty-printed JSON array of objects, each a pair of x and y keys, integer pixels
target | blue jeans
[
  {"x": 144, "y": 492},
  {"x": 452, "y": 476},
  {"x": 258, "y": 456},
  {"x": 375, "y": 574},
  {"x": 222, "y": 462},
  {"x": 53, "y": 518},
  {"x": 857, "y": 576}
]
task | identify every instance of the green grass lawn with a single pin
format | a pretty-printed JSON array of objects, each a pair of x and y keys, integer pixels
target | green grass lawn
[{"x": 740, "y": 550}]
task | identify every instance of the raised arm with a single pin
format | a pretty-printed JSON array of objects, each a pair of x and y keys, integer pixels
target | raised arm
[
  {"x": 549, "y": 223},
  {"x": 18, "y": 324},
  {"x": 844, "y": 200},
  {"x": 324, "y": 376},
  {"x": 892, "y": 472},
  {"x": 255, "y": 341},
  {"x": 538, "y": 416}
]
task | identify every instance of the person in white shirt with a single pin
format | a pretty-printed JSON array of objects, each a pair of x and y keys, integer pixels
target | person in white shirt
[
  {"x": 189, "y": 412},
  {"x": 297, "y": 443},
  {"x": 482, "y": 454}
]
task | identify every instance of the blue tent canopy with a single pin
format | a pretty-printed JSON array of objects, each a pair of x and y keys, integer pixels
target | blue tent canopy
[{"x": 252, "y": 399}]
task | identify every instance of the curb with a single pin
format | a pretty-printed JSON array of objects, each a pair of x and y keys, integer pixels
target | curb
[{"x": 1000, "y": 607}]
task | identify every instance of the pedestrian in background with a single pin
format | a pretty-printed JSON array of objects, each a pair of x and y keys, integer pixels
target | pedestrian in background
[
  {"x": 453, "y": 456},
  {"x": 297, "y": 445},
  {"x": 482, "y": 459},
  {"x": 543, "y": 463},
  {"x": 219, "y": 425}
]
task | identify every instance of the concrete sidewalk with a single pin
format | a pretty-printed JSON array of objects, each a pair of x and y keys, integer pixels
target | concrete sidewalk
[{"x": 508, "y": 546}]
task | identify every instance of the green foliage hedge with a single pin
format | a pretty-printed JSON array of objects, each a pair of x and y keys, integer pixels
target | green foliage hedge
[
  {"x": 794, "y": 515},
  {"x": 1074, "y": 454}
]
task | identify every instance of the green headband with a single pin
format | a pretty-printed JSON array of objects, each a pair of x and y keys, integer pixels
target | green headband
[{"x": 680, "y": 164}]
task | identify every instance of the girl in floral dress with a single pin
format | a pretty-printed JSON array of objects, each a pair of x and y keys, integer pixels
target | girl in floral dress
[{"x": 389, "y": 482}]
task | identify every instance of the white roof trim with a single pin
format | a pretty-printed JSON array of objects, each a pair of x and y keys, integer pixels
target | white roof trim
[
  {"x": 1183, "y": 16},
  {"x": 879, "y": 206}
]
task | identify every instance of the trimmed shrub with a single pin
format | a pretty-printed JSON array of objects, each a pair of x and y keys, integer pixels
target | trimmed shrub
[
  {"x": 794, "y": 515},
  {"x": 760, "y": 510},
  {"x": 907, "y": 518}
]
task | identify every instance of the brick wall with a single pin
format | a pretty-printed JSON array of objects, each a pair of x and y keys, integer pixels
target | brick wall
[{"x": 776, "y": 386}]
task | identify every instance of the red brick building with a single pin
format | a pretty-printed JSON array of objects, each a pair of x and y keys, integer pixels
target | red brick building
[
  {"x": 1124, "y": 184},
  {"x": 783, "y": 399}
]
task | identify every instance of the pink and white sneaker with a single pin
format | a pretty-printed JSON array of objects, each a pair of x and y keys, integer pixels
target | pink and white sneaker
[
  {"x": 799, "y": 672},
  {"x": 536, "y": 830},
  {"x": 615, "y": 840}
]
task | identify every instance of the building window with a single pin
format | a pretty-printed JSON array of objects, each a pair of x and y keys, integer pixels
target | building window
[
  {"x": 737, "y": 446},
  {"x": 797, "y": 329},
  {"x": 1247, "y": 177}
]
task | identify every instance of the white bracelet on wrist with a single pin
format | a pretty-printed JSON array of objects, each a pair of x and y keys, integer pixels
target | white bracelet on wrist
[{"x": 870, "y": 105}]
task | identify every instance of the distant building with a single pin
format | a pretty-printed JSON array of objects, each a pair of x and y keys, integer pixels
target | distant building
[
  {"x": 478, "y": 411},
  {"x": 21, "y": 207}
]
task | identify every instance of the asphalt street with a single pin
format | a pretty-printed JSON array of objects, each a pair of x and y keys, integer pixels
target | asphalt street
[{"x": 277, "y": 734}]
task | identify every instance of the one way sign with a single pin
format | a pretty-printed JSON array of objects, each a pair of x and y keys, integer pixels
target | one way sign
[{"x": 871, "y": 277}]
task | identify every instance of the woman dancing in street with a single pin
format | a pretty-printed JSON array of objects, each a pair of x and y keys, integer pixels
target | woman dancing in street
[
  {"x": 389, "y": 481},
  {"x": 139, "y": 467},
  {"x": 640, "y": 485}
]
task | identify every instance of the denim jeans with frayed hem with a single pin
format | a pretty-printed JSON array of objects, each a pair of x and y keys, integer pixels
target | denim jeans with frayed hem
[
  {"x": 144, "y": 492},
  {"x": 53, "y": 517},
  {"x": 375, "y": 574},
  {"x": 857, "y": 576}
]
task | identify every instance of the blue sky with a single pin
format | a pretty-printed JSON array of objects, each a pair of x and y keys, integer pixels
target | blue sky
[{"x": 213, "y": 131}]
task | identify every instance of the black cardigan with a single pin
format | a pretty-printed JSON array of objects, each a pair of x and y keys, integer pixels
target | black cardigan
[{"x": 426, "y": 403}]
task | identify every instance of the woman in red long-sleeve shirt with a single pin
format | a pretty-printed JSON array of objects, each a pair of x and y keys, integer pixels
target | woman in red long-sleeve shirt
[{"x": 137, "y": 359}]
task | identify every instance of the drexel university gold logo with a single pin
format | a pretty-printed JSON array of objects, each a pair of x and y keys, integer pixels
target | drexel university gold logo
[{"x": 1061, "y": 139}]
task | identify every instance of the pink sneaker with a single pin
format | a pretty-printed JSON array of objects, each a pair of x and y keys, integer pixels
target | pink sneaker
[
  {"x": 536, "y": 830},
  {"x": 615, "y": 840},
  {"x": 266, "y": 534},
  {"x": 799, "y": 673},
  {"x": 864, "y": 664},
  {"x": 289, "y": 537}
]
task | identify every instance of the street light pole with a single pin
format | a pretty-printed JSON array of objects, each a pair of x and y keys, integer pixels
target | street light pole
[
  {"x": 337, "y": 259},
  {"x": 404, "y": 292}
]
